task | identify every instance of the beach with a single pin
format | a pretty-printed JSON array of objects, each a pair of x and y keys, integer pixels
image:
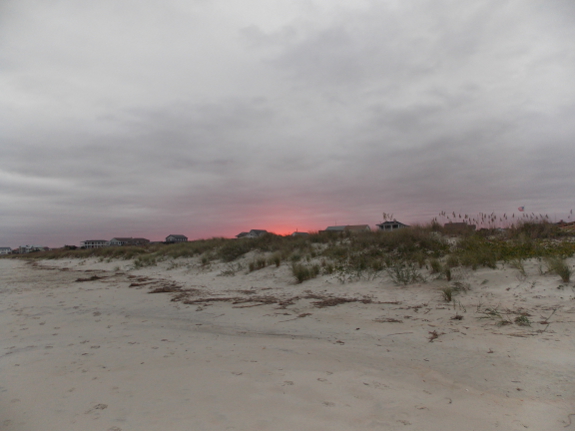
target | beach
[{"x": 86, "y": 346}]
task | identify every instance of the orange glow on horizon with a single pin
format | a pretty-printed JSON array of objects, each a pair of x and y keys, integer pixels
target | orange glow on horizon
[{"x": 283, "y": 230}]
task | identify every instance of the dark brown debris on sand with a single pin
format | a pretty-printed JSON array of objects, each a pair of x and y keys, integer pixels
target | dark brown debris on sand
[
  {"x": 387, "y": 320},
  {"x": 92, "y": 278},
  {"x": 165, "y": 288},
  {"x": 321, "y": 301}
]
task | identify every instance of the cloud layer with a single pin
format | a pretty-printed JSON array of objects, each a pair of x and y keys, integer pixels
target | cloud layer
[{"x": 145, "y": 118}]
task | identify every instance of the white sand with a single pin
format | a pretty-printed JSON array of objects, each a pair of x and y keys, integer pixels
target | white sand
[{"x": 99, "y": 355}]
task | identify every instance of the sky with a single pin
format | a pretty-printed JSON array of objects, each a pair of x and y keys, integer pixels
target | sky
[{"x": 146, "y": 118}]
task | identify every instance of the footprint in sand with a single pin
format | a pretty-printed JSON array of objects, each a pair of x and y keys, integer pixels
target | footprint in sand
[{"x": 97, "y": 407}]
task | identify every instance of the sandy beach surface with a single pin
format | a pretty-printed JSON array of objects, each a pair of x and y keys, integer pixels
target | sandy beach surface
[{"x": 85, "y": 346}]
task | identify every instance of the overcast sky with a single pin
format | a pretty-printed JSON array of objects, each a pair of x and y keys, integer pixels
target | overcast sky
[{"x": 211, "y": 117}]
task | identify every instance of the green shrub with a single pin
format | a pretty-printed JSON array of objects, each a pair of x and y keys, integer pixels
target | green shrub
[
  {"x": 296, "y": 257},
  {"x": 475, "y": 251},
  {"x": 541, "y": 229},
  {"x": 414, "y": 244},
  {"x": 145, "y": 260},
  {"x": 452, "y": 261},
  {"x": 420, "y": 257},
  {"x": 233, "y": 249},
  {"x": 336, "y": 252}
]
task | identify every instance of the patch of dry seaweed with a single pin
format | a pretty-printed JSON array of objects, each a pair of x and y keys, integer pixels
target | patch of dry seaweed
[
  {"x": 184, "y": 294},
  {"x": 322, "y": 301},
  {"x": 166, "y": 288},
  {"x": 233, "y": 299},
  {"x": 332, "y": 301},
  {"x": 92, "y": 278},
  {"x": 387, "y": 320},
  {"x": 433, "y": 335},
  {"x": 145, "y": 283}
]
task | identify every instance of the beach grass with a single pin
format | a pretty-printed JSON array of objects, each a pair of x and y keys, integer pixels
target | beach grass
[
  {"x": 557, "y": 265},
  {"x": 402, "y": 254}
]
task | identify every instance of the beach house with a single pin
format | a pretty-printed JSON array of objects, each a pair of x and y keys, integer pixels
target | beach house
[
  {"x": 254, "y": 233},
  {"x": 93, "y": 243},
  {"x": 120, "y": 241},
  {"x": 348, "y": 228},
  {"x": 172, "y": 239},
  {"x": 387, "y": 226}
]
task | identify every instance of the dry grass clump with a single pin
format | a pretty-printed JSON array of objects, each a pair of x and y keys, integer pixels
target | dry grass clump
[
  {"x": 192, "y": 248},
  {"x": 145, "y": 260},
  {"x": 518, "y": 265},
  {"x": 541, "y": 229},
  {"x": 435, "y": 266},
  {"x": 505, "y": 317},
  {"x": 233, "y": 249},
  {"x": 448, "y": 292},
  {"x": 304, "y": 272},
  {"x": 522, "y": 320},
  {"x": 257, "y": 263},
  {"x": 474, "y": 251},
  {"x": 409, "y": 243},
  {"x": 559, "y": 266},
  {"x": 402, "y": 273},
  {"x": 275, "y": 259}
]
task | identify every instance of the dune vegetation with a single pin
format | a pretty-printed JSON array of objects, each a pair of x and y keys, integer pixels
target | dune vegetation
[{"x": 402, "y": 254}]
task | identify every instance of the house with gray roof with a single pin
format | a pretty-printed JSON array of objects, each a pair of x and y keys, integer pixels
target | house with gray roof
[
  {"x": 254, "y": 233},
  {"x": 121, "y": 241},
  {"x": 172, "y": 239},
  {"x": 388, "y": 226},
  {"x": 348, "y": 228},
  {"x": 94, "y": 243}
]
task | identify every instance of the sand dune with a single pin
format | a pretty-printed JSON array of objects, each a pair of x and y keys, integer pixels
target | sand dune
[{"x": 85, "y": 347}]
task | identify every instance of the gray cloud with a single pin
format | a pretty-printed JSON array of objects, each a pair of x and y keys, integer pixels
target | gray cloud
[{"x": 152, "y": 118}]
